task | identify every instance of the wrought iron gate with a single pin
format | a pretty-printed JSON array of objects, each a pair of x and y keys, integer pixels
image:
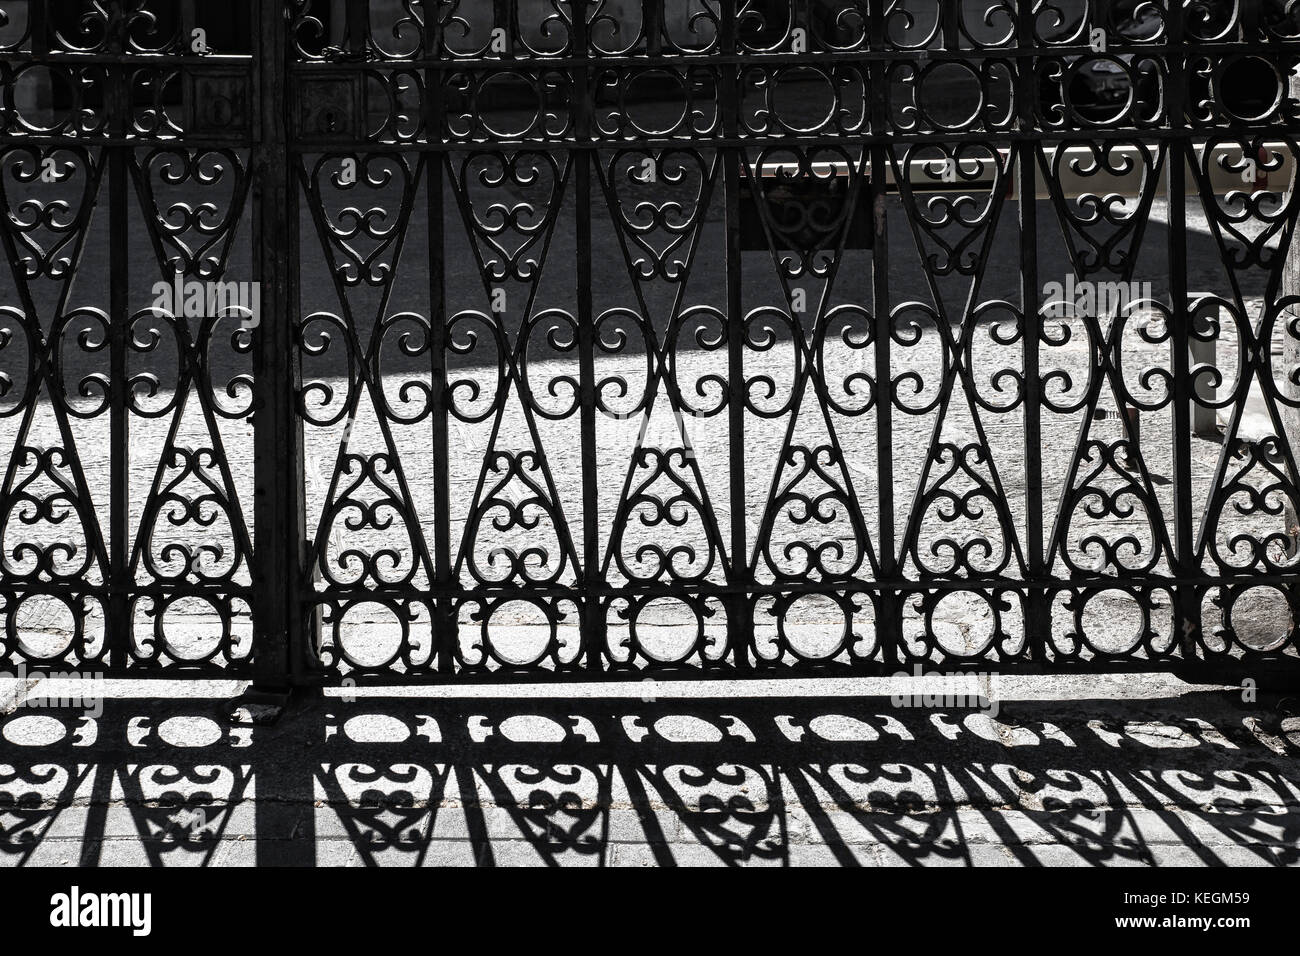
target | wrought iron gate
[{"x": 393, "y": 340}]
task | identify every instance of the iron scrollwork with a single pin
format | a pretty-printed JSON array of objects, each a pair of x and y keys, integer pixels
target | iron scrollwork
[{"x": 680, "y": 338}]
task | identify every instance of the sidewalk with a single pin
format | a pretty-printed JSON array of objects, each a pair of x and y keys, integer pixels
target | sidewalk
[{"x": 1134, "y": 770}]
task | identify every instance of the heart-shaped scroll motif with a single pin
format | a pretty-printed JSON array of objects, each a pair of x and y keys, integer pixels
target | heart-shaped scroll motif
[
  {"x": 659, "y": 199},
  {"x": 1248, "y": 222},
  {"x": 47, "y": 195},
  {"x": 1102, "y": 228},
  {"x": 363, "y": 239},
  {"x": 510, "y": 202},
  {"x": 805, "y": 202},
  {"x": 192, "y": 238}
]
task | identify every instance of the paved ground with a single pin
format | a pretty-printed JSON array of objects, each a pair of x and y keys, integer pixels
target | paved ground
[{"x": 1166, "y": 775}]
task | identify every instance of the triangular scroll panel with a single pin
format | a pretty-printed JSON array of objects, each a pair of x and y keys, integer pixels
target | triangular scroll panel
[
  {"x": 192, "y": 526},
  {"x": 958, "y": 520},
  {"x": 48, "y": 522},
  {"x": 1107, "y": 481},
  {"x": 369, "y": 533},
  {"x": 665, "y": 525},
  {"x": 515, "y": 495},
  {"x": 1254, "y": 486},
  {"x": 811, "y": 525}
]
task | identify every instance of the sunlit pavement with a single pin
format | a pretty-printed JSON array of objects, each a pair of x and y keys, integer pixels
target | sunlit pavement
[{"x": 1126, "y": 770}]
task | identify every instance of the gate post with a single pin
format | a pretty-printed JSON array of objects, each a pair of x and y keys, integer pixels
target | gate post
[{"x": 277, "y": 464}]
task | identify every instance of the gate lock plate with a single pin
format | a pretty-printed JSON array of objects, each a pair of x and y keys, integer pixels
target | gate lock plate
[
  {"x": 329, "y": 105},
  {"x": 219, "y": 102}
]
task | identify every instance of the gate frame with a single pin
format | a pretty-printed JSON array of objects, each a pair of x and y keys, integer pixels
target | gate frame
[
  {"x": 278, "y": 516},
  {"x": 281, "y": 588},
  {"x": 284, "y": 636}
]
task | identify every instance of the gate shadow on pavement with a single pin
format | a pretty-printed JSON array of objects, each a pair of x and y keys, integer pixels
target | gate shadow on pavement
[{"x": 1198, "y": 778}]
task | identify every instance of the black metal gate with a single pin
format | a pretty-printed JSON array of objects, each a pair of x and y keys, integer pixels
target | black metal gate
[{"x": 393, "y": 340}]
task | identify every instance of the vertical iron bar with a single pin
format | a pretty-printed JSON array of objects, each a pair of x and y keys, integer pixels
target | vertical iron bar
[
  {"x": 1179, "y": 149},
  {"x": 38, "y": 27},
  {"x": 889, "y": 612},
  {"x": 739, "y": 631},
  {"x": 358, "y": 25},
  {"x": 652, "y": 22},
  {"x": 118, "y": 623},
  {"x": 1250, "y": 32},
  {"x": 119, "y": 610},
  {"x": 445, "y": 619},
  {"x": 503, "y": 19},
  {"x": 279, "y": 648},
  {"x": 950, "y": 14},
  {"x": 1037, "y": 616},
  {"x": 592, "y": 613},
  {"x": 188, "y": 22}
]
